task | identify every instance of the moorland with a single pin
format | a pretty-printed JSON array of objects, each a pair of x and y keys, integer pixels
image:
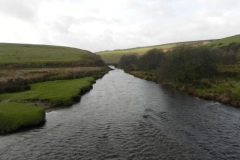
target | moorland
[
  {"x": 113, "y": 57},
  {"x": 36, "y": 78},
  {"x": 210, "y": 69}
]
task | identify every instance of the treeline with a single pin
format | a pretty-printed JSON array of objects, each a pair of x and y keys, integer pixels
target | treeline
[{"x": 184, "y": 62}]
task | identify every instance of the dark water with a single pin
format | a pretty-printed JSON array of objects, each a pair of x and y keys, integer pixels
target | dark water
[{"x": 124, "y": 117}]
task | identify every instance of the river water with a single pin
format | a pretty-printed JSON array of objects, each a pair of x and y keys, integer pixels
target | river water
[{"x": 124, "y": 117}]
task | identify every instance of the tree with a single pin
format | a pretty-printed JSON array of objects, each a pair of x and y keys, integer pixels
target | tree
[
  {"x": 127, "y": 60},
  {"x": 184, "y": 63},
  {"x": 151, "y": 60}
]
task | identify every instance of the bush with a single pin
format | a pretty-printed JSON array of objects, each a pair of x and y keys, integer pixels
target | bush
[
  {"x": 235, "y": 47},
  {"x": 185, "y": 63},
  {"x": 151, "y": 60},
  {"x": 127, "y": 60}
]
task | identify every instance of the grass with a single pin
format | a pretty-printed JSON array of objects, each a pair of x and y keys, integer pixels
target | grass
[
  {"x": 36, "y": 73},
  {"x": 223, "y": 87},
  {"x": 47, "y": 76},
  {"x": 59, "y": 92},
  {"x": 24, "y": 64},
  {"x": 225, "y": 41},
  {"x": 224, "y": 90},
  {"x": 150, "y": 75},
  {"x": 113, "y": 57},
  {"x": 14, "y": 116},
  {"x": 28, "y": 54},
  {"x": 12, "y": 80}
]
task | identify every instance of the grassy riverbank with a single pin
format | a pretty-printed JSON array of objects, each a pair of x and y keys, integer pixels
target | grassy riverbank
[
  {"x": 25, "y": 109},
  {"x": 222, "y": 88},
  {"x": 23, "y": 64},
  {"x": 43, "y": 75},
  {"x": 205, "y": 71},
  {"x": 14, "y": 80},
  {"x": 14, "y": 116},
  {"x": 52, "y": 93}
]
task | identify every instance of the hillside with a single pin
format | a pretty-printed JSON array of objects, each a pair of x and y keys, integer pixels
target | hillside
[
  {"x": 113, "y": 57},
  {"x": 43, "y": 76},
  {"x": 225, "y": 41},
  {"x": 207, "y": 72},
  {"x": 23, "y": 64},
  {"x": 34, "y": 55}
]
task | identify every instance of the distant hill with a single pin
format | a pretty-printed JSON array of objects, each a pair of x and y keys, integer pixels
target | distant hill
[
  {"x": 113, "y": 57},
  {"x": 225, "y": 41},
  {"x": 41, "y": 55}
]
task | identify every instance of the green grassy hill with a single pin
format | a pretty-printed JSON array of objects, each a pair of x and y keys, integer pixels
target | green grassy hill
[
  {"x": 225, "y": 41},
  {"x": 42, "y": 75},
  {"x": 113, "y": 57},
  {"x": 27, "y": 54},
  {"x": 22, "y": 64}
]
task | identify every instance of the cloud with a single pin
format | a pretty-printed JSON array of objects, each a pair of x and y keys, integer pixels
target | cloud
[
  {"x": 105, "y": 25},
  {"x": 20, "y": 9}
]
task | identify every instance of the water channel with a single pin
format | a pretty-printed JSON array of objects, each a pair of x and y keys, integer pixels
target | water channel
[{"x": 124, "y": 117}]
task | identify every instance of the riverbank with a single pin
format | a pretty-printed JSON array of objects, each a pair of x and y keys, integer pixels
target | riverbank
[
  {"x": 26, "y": 109},
  {"x": 124, "y": 117},
  {"x": 15, "y": 116},
  {"x": 223, "y": 87},
  {"x": 53, "y": 93},
  {"x": 42, "y": 77}
]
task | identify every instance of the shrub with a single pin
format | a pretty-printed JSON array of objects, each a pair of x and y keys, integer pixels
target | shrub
[
  {"x": 151, "y": 60},
  {"x": 127, "y": 60},
  {"x": 185, "y": 63}
]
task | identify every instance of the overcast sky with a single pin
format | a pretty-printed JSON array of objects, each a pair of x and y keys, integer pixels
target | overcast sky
[{"x": 98, "y": 25}]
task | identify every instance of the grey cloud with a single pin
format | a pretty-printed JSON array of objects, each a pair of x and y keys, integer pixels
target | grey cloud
[
  {"x": 135, "y": 23},
  {"x": 90, "y": 19},
  {"x": 62, "y": 24},
  {"x": 150, "y": 10},
  {"x": 20, "y": 9}
]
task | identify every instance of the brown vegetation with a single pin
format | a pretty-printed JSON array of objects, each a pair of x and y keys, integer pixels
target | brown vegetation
[{"x": 13, "y": 80}]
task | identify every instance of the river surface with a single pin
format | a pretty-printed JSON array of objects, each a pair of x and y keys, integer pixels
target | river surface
[{"x": 124, "y": 117}]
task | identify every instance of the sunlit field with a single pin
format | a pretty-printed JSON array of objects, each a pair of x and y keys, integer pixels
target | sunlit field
[{"x": 113, "y": 57}]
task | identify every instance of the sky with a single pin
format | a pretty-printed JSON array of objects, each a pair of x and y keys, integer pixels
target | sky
[{"x": 98, "y": 25}]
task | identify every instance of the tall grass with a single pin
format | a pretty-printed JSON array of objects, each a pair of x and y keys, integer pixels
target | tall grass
[{"x": 15, "y": 80}]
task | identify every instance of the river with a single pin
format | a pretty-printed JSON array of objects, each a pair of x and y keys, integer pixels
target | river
[{"x": 124, "y": 117}]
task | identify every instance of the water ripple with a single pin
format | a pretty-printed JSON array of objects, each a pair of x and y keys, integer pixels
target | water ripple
[{"x": 124, "y": 117}]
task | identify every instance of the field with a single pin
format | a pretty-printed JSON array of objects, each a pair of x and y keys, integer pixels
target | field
[
  {"x": 40, "y": 55},
  {"x": 225, "y": 41},
  {"x": 14, "y": 116},
  {"x": 23, "y": 64},
  {"x": 113, "y": 57}
]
